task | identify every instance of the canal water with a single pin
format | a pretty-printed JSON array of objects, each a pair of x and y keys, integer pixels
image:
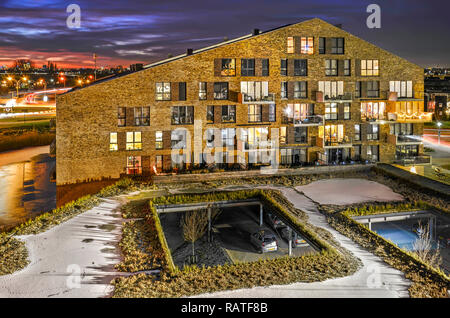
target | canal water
[{"x": 26, "y": 188}]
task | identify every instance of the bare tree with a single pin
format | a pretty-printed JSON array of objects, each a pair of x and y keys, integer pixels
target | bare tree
[
  {"x": 195, "y": 224},
  {"x": 423, "y": 247}
]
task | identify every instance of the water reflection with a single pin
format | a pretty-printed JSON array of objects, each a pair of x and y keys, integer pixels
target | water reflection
[{"x": 26, "y": 189}]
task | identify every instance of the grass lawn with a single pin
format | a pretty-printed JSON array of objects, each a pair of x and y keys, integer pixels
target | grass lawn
[
  {"x": 35, "y": 124},
  {"x": 433, "y": 124}
]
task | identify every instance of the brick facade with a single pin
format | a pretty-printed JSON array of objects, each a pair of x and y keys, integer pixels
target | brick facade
[{"x": 87, "y": 116}]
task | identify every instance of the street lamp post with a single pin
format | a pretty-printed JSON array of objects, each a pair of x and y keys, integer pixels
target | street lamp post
[
  {"x": 439, "y": 124},
  {"x": 24, "y": 79}
]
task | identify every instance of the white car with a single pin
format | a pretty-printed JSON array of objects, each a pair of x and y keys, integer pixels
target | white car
[{"x": 265, "y": 241}]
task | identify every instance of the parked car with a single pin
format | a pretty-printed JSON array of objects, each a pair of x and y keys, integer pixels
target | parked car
[
  {"x": 275, "y": 221},
  {"x": 297, "y": 240},
  {"x": 264, "y": 241}
]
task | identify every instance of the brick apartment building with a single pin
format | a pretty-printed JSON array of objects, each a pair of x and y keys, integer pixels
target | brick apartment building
[{"x": 323, "y": 95}]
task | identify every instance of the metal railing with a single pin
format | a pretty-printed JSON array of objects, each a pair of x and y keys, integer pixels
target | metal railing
[
  {"x": 248, "y": 99},
  {"x": 413, "y": 160}
]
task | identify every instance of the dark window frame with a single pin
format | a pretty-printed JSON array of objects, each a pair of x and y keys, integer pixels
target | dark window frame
[
  {"x": 247, "y": 67},
  {"x": 329, "y": 69},
  {"x": 337, "y": 46},
  {"x": 300, "y": 89},
  {"x": 284, "y": 68},
  {"x": 300, "y": 67},
  {"x": 228, "y": 113},
  {"x": 142, "y": 120},
  {"x": 265, "y": 67},
  {"x": 221, "y": 90},
  {"x": 182, "y": 115},
  {"x": 121, "y": 117}
]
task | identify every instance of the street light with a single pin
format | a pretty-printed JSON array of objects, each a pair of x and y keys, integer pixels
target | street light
[
  {"x": 23, "y": 80},
  {"x": 439, "y": 124}
]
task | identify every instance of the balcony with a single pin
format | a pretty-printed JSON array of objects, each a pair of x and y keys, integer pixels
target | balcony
[
  {"x": 413, "y": 118},
  {"x": 345, "y": 142},
  {"x": 313, "y": 120},
  {"x": 322, "y": 98},
  {"x": 255, "y": 99},
  {"x": 399, "y": 140},
  {"x": 415, "y": 160}
]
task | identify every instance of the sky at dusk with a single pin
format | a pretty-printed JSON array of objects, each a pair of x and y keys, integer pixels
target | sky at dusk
[{"x": 132, "y": 31}]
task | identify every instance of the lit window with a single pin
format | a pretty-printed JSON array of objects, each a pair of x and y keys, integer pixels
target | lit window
[
  {"x": 113, "y": 146},
  {"x": 346, "y": 111},
  {"x": 228, "y": 67},
  {"x": 403, "y": 88},
  {"x": 290, "y": 44},
  {"x": 202, "y": 90},
  {"x": 142, "y": 116},
  {"x": 282, "y": 135},
  {"x": 254, "y": 113},
  {"x": 331, "y": 111},
  {"x": 121, "y": 116},
  {"x": 331, "y": 67},
  {"x": 134, "y": 165},
  {"x": 369, "y": 68},
  {"x": 134, "y": 141},
  {"x": 307, "y": 45},
  {"x": 159, "y": 139},
  {"x": 163, "y": 91}
]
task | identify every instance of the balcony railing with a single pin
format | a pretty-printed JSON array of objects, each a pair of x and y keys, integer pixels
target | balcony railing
[
  {"x": 313, "y": 120},
  {"x": 345, "y": 142},
  {"x": 322, "y": 97},
  {"x": 413, "y": 118},
  {"x": 251, "y": 99},
  {"x": 404, "y": 140},
  {"x": 414, "y": 160}
]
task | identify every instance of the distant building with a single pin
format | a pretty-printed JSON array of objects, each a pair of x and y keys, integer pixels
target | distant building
[
  {"x": 437, "y": 96},
  {"x": 136, "y": 67}
]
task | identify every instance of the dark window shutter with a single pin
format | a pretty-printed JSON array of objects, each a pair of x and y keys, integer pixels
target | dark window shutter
[
  {"x": 167, "y": 162},
  {"x": 121, "y": 140},
  {"x": 328, "y": 46},
  {"x": 340, "y": 67},
  {"x": 358, "y": 67},
  {"x": 265, "y": 113},
  {"x": 182, "y": 91},
  {"x": 217, "y": 67},
  {"x": 218, "y": 114},
  {"x": 290, "y": 134},
  {"x": 364, "y": 89},
  {"x": 290, "y": 67},
  {"x": 341, "y": 111},
  {"x": 145, "y": 165},
  {"x": 297, "y": 44},
  {"x": 174, "y": 90},
  {"x": 364, "y": 128},
  {"x": 167, "y": 139},
  {"x": 130, "y": 116},
  {"x": 258, "y": 67},
  {"x": 210, "y": 91},
  {"x": 291, "y": 90}
]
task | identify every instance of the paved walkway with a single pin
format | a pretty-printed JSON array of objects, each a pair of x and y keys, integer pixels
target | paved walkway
[
  {"x": 374, "y": 279},
  {"x": 73, "y": 259}
]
